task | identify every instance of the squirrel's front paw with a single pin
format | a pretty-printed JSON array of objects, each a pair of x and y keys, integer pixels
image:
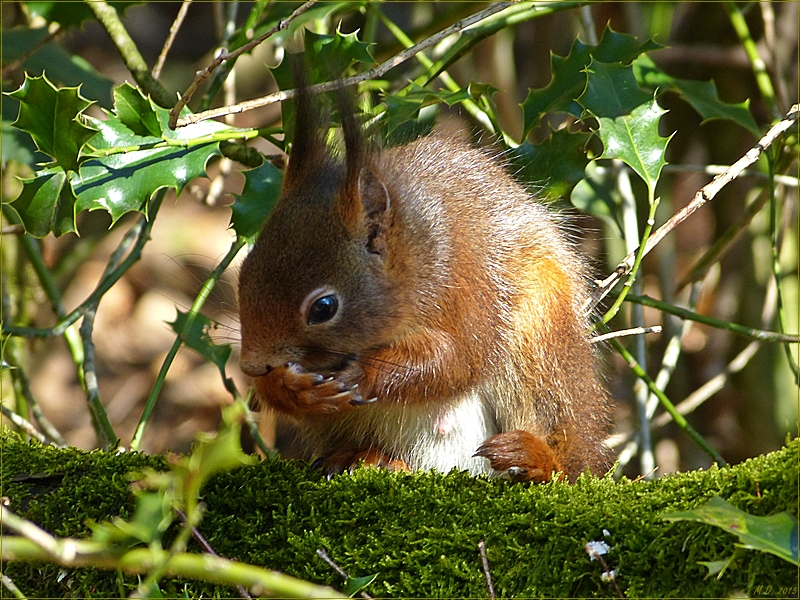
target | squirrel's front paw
[
  {"x": 318, "y": 393},
  {"x": 523, "y": 456}
]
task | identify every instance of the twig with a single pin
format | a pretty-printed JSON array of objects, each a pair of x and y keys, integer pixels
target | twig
[
  {"x": 173, "y": 31},
  {"x": 9, "y": 583},
  {"x": 378, "y": 71},
  {"x": 667, "y": 404},
  {"x": 115, "y": 269},
  {"x": 106, "y": 436},
  {"x": 36, "y": 545},
  {"x": 756, "y": 334},
  {"x": 209, "y": 284},
  {"x": 486, "y": 572},
  {"x": 201, "y": 76},
  {"x": 324, "y": 556},
  {"x": 204, "y": 543},
  {"x": 763, "y": 79},
  {"x": 127, "y": 49},
  {"x": 624, "y": 332},
  {"x": 13, "y": 230},
  {"x": 26, "y": 426},
  {"x": 705, "y": 194},
  {"x": 711, "y": 387}
]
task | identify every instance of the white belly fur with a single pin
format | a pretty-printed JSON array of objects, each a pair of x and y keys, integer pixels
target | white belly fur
[{"x": 426, "y": 436}]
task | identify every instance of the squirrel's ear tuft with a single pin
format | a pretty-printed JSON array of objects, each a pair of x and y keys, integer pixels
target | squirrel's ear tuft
[{"x": 308, "y": 147}]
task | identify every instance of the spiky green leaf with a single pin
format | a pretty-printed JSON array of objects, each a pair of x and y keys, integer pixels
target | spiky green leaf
[
  {"x": 261, "y": 189},
  {"x": 628, "y": 119},
  {"x": 52, "y": 117}
]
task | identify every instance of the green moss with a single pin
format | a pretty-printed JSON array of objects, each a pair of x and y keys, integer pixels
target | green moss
[{"x": 420, "y": 532}]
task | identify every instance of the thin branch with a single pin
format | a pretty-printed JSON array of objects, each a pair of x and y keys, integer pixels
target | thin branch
[
  {"x": 26, "y": 426},
  {"x": 201, "y": 76},
  {"x": 173, "y": 31},
  {"x": 209, "y": 284},
  {"x": 486, "y": 572},
  {"x": 376, "y": 72},
  {"x": 667, "y": 404},
  {"x": 330, "y": 562},
  {"x": 34, "y": 544},
  {"x": 756, "y": 334},
  {"x": 106, "y": 436},
  {"x": 624, "y": 332},
  {"x": 109, "y": 19},
  {"x": 11, "y": 586},
  {"x": 205, "y": 545},
  {"x": 115, "y": 269},
  {"x": 705, "y": 194}
]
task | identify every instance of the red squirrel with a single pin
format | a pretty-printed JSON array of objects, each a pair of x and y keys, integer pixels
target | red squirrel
[{"x": 416, "y": 308}]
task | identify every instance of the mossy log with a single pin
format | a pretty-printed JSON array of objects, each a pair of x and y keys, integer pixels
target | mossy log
[{"x": 419, "y": 533}]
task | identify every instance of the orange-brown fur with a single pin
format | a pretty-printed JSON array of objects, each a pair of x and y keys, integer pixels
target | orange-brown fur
[{"x": 460, "y": 307}]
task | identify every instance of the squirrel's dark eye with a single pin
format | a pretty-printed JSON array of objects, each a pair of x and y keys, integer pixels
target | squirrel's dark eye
[{"x": 322, "y": 309}]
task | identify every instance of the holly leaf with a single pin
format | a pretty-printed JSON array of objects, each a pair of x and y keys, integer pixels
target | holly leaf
[
  {"x": 262, "y": 187},
  {"x": 52, "y": 117},
  {"x": 701, "y": 95},
  {"x": 555, "y": 165},
  {"x": 569, "y": 80},
  {"x": 47, "y": 203},
  {"x": 775, "y": 534},
  {"x": 124, "y": 182},
  {"x": 628, "y": 120},
  {"x": 136, "y": 112}
]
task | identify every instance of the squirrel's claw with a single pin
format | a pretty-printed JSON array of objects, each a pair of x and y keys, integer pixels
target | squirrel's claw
[{"x": 521, "y": 456}]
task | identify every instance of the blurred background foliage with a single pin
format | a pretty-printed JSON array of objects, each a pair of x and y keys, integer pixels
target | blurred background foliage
[{"x": 746, "y": 393}]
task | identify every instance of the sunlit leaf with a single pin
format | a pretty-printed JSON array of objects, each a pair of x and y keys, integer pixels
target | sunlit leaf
[
  {"x": 135, "y": 111},
  {"x": 52, "y": 117},
  {"x": 568, "y": 80},
  {"x": 628, "y": 120}
]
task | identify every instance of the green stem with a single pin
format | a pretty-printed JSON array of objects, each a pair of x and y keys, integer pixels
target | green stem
[
  {"x": 667, "y": 404},
  {"x": 114, "y": 271},
  {"x": 71, "y": 553},
  {"x": 755, "y": 334},
  {"x": 238, "y": 244},
  {"x": 776, "y": 266},
  {"x": 759, "y": 68},
  {"x": 109, "y": 19},
  {"x": 106, "y": 436},
  {"x": 651, "y": 217},
  {"x": 219, "y": 136}
]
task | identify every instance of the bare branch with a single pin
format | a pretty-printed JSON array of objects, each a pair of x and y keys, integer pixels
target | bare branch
[
  {"x": 173, "y": 31},
  {"x": 624, "y": 332},
  {"x": 378, "y": 71},
  {"x": 201, "y": 76},
  {"x": 704, "y": 195}
]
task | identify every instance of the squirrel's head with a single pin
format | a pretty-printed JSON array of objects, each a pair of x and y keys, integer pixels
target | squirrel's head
[{"x": 315, "y": 287}]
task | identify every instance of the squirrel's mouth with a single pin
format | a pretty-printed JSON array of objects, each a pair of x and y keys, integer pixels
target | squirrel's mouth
[{"x": 325, "y": 359}]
